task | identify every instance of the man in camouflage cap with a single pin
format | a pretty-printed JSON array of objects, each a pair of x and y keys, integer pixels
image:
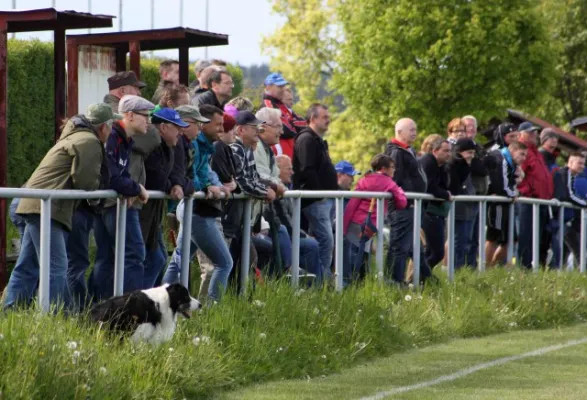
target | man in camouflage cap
[{"x": 74, "y": 162}]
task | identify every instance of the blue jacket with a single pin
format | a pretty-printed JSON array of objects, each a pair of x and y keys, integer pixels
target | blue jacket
[
  {"x": 118, "y": 149},
  {"x": 204, "y": 176}
]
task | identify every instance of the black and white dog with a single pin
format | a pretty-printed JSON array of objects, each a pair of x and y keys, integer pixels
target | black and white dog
[{"x": 148, "y": 315}]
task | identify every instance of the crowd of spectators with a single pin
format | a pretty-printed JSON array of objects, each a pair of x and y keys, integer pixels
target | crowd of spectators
[{"x": 201, "y": 139}]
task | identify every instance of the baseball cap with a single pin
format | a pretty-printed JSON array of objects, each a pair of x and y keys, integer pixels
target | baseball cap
[
  {"x": 247, "y": 118},
  {"x": 101, "y": 112},
  {"x": 528, "y": 127},
  {"x": 125, "y": 78},
  {"x": 130, "y": 103},
  {"x": 192, "y": 112},
  {"x": 229, "y": 122},
  {"x": 345, "y": 167},
  {"x": 275, "y": 79},
  {"x": 165, "y": 114}
]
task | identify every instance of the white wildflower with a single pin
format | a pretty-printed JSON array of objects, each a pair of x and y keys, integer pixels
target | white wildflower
[
  {"x": 316, "y": 311},
  {"x": 410, "y": 286},
  {"x": 206, "y": 339},
  {"x": 262, "y": 335},
  {"x": 279, "y": 350},
  {"x": 71, "y": 345},
  {"x": 408, "y": 297},
  {"x": 196, "y": 341},
  {"x": 1, "y": 336},
  {"x": 559, "y": 293},
  {"x": 324, "y": 356},
  {"x": 103, "y": 370},
  {"x": 258, "y": 303},
  {"x": 75, "y": 356},
  {"x": 359, "y": 311},
  {"x": 513, "y": 324},
  {"x": 171, "y": 349}
]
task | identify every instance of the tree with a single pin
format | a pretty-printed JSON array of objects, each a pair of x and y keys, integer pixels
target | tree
[
  {"x": 569, "y": 36},
  {"x": 304, "y": 48},
  {"x": 433, "y": 61}
]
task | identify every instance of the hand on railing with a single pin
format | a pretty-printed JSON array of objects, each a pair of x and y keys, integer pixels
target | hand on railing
[
  {"x": 270, "y": 195},
  {"x": 214, "y": 192},
  {"x": 280, "y": 191},
  {"x": 176, "y": 192},
  {"x": 229, "y": 187},
  {"x": 144, "y": 195}
]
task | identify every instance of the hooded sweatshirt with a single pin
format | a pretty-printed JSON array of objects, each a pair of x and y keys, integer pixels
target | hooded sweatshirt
[
  {"x": 537, "y": 181},
  {"x": 357, "y": 209},
  {"x": 74, "y": 162},
  {"x": 408, "y": 172}
]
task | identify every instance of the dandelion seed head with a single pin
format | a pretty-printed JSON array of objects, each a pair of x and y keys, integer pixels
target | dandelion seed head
[
  {"x": 259, "y": 303},
  {"x": 196, "y": 341},
  {"x": 324, "y": 356},
  {"x": 262, "y": 335},
  {"x": 103, "y": 370},
  {"x": 559, "y": 293},
  {"x": 316, "y": 311},
  {"x": 408, "y": 297},
  {"x": 71, "y": 345}
]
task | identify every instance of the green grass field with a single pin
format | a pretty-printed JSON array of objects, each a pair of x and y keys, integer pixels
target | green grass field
[
  {"x": 277, "y": 333},
  {"x": 555, "y": 375}
]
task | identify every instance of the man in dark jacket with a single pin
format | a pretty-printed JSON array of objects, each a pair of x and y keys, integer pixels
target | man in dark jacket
[
  {"x": 434, "y": 218},
  {"x": 158, "y": 166},
  {"x": 219, "y": 91},
  {"x": 548, "y": 148},
  {"x": 504, "y": 180},
  {"x": 135, "y": 111},
  {"x": 293, "y": 124},
  {"x": 72, "y": 163},
  {"x": 313, "y": 170},
  {"x": 565, "y": 190},
  {"x": 410, "y": 177}
]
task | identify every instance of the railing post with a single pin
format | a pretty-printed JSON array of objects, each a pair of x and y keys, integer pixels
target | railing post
[
  {"x": 338, "y": 246},
  {"x": 246, "y": 244},
  {"x": 511, "y": 234},
  {"x": 379, "y": 250},
  {"x": 416, "y": 243},
  {"x": 295, "y": 241},
  {"x": 482, "y": 223},
  {"x": 561, "y": 236},
  {"x": 45, "y": 256},
  {"x": 583, "y": 242},
  {"x": 535, "y": 237},
  {"x": 121, "y": 206},
  {"x": 186, "y": 241},
  {"x": 450, "y": 233}
]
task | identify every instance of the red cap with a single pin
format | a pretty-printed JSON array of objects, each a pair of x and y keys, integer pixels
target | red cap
[{"x": 229, "y": 122}]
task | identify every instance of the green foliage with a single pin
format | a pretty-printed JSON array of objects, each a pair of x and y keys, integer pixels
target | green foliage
[
  {"x": 30, "y": 107},
  {"x": 433, "y": 60},
  {"x": 277, "y": 333}
]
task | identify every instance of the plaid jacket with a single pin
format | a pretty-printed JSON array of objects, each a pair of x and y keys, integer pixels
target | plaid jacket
[{"x": 247, "y": 177}]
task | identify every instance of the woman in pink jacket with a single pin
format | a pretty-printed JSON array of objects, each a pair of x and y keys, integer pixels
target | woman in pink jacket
[{"x": 357, "y": 211}]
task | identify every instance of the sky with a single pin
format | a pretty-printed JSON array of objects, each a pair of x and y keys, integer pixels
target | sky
[{"x": 245, "y": 21}]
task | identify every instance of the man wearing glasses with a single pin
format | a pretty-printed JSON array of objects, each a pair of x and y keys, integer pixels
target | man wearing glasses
[{"x": 135, "y": 121}]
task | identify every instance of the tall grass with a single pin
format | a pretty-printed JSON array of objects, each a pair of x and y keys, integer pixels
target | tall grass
[{"x": 276, "y": 333}]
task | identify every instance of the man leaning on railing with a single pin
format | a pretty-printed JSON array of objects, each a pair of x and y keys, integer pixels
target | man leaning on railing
[{"x": 72, "y": 163}]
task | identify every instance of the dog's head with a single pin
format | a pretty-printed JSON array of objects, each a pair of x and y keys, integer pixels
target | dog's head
[{"x": 180, "y": 300}]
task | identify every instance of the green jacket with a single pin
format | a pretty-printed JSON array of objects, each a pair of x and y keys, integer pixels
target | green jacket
[{"x": 72, "y": 163}]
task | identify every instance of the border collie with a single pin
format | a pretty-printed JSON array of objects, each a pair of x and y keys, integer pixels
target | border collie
[{"x": 148, "y": 315}]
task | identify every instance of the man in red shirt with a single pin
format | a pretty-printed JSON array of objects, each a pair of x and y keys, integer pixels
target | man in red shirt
[
  {"x": 275, "y": 86},
  {"x": 537, "y": 184}
]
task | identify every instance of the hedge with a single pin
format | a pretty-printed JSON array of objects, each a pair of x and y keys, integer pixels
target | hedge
[{"x": 31, "y": 106}]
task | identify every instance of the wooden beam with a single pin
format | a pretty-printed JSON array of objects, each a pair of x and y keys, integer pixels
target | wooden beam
[
  {"x": 59, "y": 78},
  {"x": 135, "y": 57},
  {"x": 72, "y": 77},
  {"x": 3, "y": 148},
  {"x": 184, "y": 65}
]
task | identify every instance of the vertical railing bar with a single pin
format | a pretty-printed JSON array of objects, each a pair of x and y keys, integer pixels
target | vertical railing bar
[
  {"x": 246, "y": 244},
  {"x": 535, "y": 237},
  {"x": 583, "y": 242},
  {"x": 295, "y": 241},
  {"x": 338, "y": 246},
  {"x": 186, "y": 241},
  {"x": 482, "y": 233},
  {"x": 511, "y": 234},
  {"x": 379, "y": 249},
  {"x": 45, "y": 256},
  {"x": 416, "y": 243},
  {"x": 450, "y": 233},
  {"x": 561, "y": 236},
  {"x": 121, "y": 206}
]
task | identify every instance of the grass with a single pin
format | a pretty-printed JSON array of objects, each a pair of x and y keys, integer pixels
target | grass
[
  {"x": 276, "y": 333},
  {"x": 555, "y": 375}
]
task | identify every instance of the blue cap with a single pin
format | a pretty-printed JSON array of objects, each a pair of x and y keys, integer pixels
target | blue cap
[
  {"x": 528, "y": 127},
  {"x": 168, "y": 115},
  {"x": 345, "y": 167},
  {"x": 275, "y": 79}
]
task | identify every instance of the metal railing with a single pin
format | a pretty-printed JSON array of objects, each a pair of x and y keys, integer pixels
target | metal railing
[{"x": 47, "y": 195}]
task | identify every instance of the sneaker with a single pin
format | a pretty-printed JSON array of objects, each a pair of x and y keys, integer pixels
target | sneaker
[{"x": 302, "y": 273}]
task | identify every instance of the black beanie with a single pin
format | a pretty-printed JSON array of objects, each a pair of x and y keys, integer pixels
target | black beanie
[{"x": 464, "y": 144}]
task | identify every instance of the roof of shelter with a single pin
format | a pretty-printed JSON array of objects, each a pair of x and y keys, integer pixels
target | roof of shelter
[{"x": 46, "y": 19}]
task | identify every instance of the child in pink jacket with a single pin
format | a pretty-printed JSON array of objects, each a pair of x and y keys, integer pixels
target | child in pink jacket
[{"x": 355, "y": 214}]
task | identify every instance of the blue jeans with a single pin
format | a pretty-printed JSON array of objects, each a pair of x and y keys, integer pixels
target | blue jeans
[
  {"x": 102, "y": 279},
  {"x": 172, "y": 275},
  {"x": 77, "y": 253},
  {"x": 25, "y": 276},
  {"x": 207, "y": 237},
  {"x": 319, "y": 219},
  {"x": 155, "y": 261},
  {"x": 352, "y": 259},
  {"x": 401, "y": 246},
  {"x": 17, "y": 220},
  {"x": 525, "y": 237},
  {"x": 310, "y": 257},
  {"x": 434, "y": 226},
  {"x": 264, "y": 246},
  {"x": 463, "y": 239}
]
